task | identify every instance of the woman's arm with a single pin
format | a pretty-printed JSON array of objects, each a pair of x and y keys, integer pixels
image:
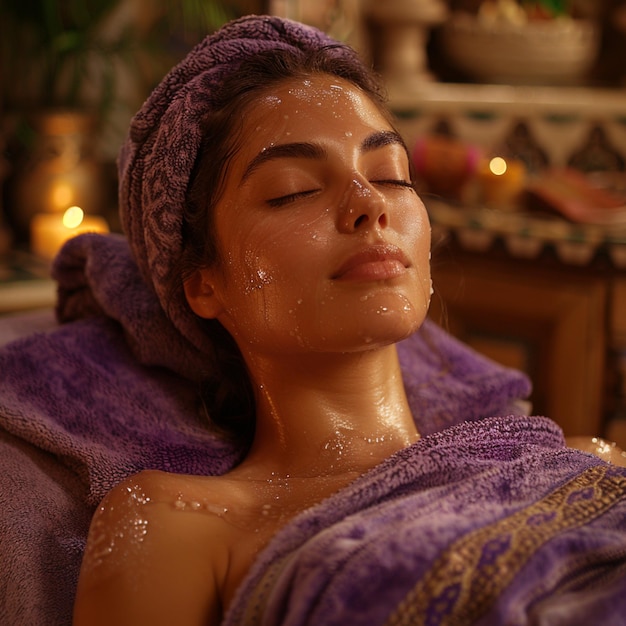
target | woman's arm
[{"x": 148, "y": 563}]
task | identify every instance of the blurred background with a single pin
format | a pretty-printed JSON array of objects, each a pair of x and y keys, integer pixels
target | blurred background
[
  {"x": 91, "y": 63},
  {"x": 514, "y": 112}
]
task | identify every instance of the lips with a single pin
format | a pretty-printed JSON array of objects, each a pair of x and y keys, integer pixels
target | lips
[{"x": 373, "y": 263}]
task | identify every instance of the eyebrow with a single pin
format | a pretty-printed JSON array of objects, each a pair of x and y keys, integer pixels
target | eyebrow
[
  {"x": 381, "y": 139},
  {"x": 302, "y": 150},
  {"x": 306, "y": 150}
]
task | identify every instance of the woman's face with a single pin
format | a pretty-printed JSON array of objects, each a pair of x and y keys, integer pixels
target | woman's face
[{"x": 324, "y": 244}]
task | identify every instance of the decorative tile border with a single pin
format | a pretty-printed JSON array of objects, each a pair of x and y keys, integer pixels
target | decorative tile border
[
  {"x": 582, "y": 127},
  {"x": 542, "y": 126},
  {"x": 526, "y": 236}
]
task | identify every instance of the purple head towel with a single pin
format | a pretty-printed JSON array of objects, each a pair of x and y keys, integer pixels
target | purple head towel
[{"x": 158, "y": 157}]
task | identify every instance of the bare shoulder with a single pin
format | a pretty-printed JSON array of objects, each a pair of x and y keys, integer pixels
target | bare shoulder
[
  {"x": 147, "y": 561},
  {"x": 142, "y": 512}
]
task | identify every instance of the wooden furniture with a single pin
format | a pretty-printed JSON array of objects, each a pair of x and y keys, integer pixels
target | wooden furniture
[
  {"x": 548, "y": 298},
  {"x": 558, "y": 323}
]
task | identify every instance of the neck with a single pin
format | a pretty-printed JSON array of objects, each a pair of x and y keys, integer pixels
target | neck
[{"x": 328, "y": 414}]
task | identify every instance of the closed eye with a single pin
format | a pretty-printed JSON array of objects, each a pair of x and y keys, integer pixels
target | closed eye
[
  {"x": 291, "y": 197},
  {"x": 394, "y": 182}
]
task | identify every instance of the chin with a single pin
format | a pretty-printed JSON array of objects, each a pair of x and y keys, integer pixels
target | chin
[
  {"x": 398, "y": 333},
  {"x": 384, "y": 330}
]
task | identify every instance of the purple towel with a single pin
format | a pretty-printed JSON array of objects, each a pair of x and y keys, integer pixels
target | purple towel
[
  {"x": 113, "y": 390},
  {"x": 97, "y": 275},
  {"x": 489, "y": 523},
  {"x": 109, "y": 393}
]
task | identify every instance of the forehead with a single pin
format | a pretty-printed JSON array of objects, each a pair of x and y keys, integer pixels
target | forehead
[{"x": 309, "y": 109}]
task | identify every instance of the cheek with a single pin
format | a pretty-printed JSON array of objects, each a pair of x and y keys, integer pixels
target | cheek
[
  {"x": 266, "y": 283},
  {"x": 423, "y": 246},
  {"x": 415, "y": 225},
  {"x": 282, "y": 248},
  {"x": 251, "y": 269}
]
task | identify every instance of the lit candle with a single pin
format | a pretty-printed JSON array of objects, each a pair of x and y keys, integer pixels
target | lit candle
[
  {"x": 501, "y": 181},
  {"x": 49, "y": 231}
]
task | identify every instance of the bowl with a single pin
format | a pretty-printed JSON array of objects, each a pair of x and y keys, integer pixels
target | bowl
[{"x": 558, "y": 51}]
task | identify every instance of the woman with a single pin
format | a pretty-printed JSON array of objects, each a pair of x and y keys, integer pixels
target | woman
[
  {"x": 304, "y": 253},
  {"x": 318, "y": 261}
]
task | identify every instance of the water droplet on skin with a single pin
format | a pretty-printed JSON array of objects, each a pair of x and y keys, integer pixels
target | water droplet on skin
[
  {"x": 348, "y": 133},
  {"x": 131, "y": 530},
  {"x": 220, "y": 511},
  {"x": 140, "y": 528},
  {"x": 137, "y": 495},
  {"x": 195, "y": 505},
  {"x": 264, "y": 277}
]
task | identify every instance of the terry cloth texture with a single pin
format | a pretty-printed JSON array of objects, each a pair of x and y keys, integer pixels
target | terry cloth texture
[
  {"x": 486, "y": 523},
  {"x": 114, "y": 391}
]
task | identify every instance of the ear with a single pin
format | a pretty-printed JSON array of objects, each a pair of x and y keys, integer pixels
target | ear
[{"x": 201, "y": 294}]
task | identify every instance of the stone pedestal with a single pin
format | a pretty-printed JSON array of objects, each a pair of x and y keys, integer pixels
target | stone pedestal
[{"x": 400, "y": 32}]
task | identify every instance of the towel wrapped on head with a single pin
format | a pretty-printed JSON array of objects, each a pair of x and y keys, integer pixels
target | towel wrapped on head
[{"x": 158, "y": 158}]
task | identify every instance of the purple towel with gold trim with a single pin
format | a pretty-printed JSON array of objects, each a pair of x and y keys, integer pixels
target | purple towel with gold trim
[
  {"x": 114, "y": 391},
  {"x": 490, "y": 522}
]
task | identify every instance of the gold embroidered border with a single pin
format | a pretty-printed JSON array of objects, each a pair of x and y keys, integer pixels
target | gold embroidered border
[
  {"x": 256, "y": 603},
  {"x": 468, "y": 577}
]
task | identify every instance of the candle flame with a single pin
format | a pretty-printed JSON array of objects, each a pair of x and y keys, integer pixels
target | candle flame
[
  {"x": 498, "y": 166},
  {"x": 73, "y": 217}
]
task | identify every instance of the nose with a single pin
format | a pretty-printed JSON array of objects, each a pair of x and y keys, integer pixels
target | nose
[{"x": 362, "y": 207}]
